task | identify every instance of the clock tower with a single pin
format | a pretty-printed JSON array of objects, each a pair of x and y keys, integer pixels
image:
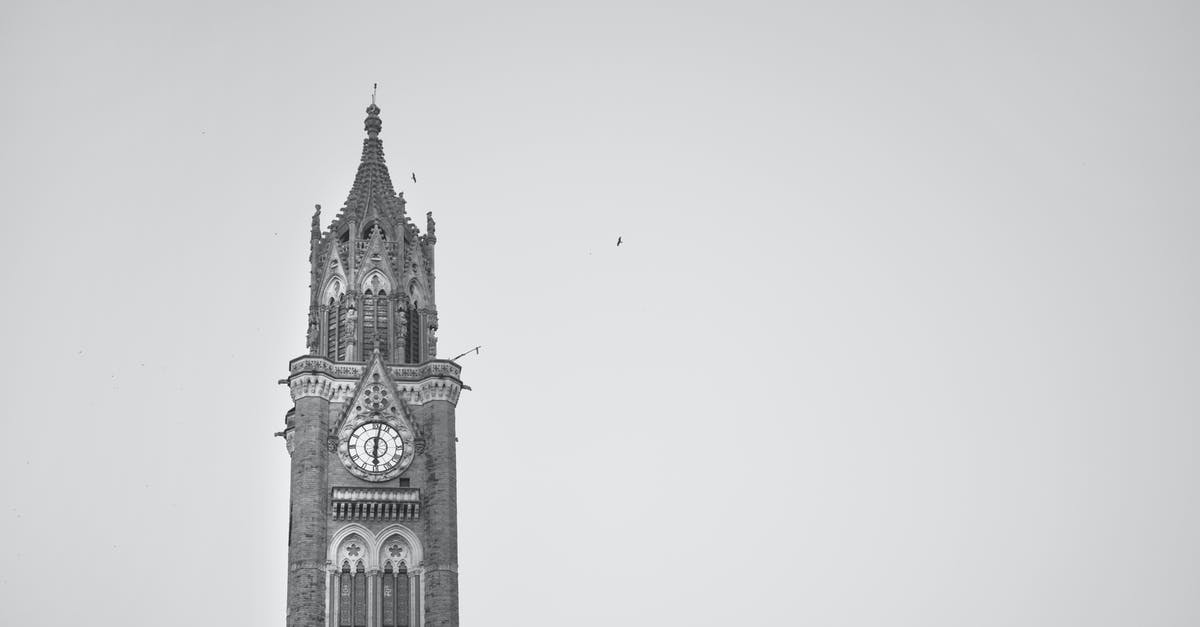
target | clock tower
[{"x": 373, "y": 537}]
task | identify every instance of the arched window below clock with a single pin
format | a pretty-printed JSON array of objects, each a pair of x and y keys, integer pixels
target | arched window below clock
[
  {"x": 351, "y": 606},
  {"x": 398, "y": 588},
  {"x": 396, "y": 604},
  {"x": 349, "y": 598}
]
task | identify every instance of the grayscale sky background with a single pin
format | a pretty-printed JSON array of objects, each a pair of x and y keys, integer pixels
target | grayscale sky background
[{"x": 903, "y": 332}]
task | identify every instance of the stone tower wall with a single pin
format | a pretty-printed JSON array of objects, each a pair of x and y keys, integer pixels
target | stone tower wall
[
  {"x": 346, "y": 258},
  {"x": 308, "y": 534},
  {"x": 441, "y": 520}
]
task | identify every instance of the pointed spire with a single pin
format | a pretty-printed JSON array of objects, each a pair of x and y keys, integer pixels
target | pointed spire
[
  {"x": 372, "y": 196},
  {"x": 372, "y": 182}
]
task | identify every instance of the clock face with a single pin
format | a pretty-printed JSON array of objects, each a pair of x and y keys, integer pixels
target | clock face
[{"x": 375, "y": 447}]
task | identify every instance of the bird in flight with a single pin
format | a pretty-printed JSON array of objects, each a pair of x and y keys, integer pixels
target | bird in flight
[
  {"x": 414, "y": 177},
  {"x": 618, "y": 240}
]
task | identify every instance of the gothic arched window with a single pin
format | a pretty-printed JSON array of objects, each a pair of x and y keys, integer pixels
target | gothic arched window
[
  {"x": 337, "y": 331},
  {"x": 366, "y": 573},
  {"x": 412, "y": 339},
  {"x": 359, "y": 616},
  {"x": 344, "y": 330},
  {"x": 331, "y": 328},
  {"x": 375, "y": 323},
  {"x": 337, "y": 334},
  {"x": 395, "y": 596},
  {"x": 345, "y": 607},
  {"x": 352, "y": 596}
]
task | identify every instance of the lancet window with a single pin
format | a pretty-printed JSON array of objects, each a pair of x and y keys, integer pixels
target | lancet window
[
  {"x": 352, "y": 595},
  {"x": 344, "y": 329},
  {"x": 332, "y": 309},
  {"x": 412, "y": 339},
  {"x": 395, "y": 595},
  {"x": 337, "y": 331},
  {"x": 375, "y": 319},
  {"x": 370, "y": 583},
  {"x": 350, "y": 592}
]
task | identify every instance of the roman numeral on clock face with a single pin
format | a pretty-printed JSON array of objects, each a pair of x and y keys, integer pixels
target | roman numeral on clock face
[{"x": 375, "y": 447}]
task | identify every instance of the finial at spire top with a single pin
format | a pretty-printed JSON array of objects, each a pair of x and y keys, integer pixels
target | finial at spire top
[{"x": 373, "y": 124}]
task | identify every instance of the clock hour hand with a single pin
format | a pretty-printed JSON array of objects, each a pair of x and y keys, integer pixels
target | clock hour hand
[{"x": 375, "y": 448}]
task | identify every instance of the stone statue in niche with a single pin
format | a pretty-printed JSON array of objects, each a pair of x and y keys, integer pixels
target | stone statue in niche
[
  {"x": 376, "y": 238},
  {"x": 352, "y": 321},
  {"x": 401, "y": 326},
  {"x": 351, "y": 332},
  {"x": 314, "y": 334}
]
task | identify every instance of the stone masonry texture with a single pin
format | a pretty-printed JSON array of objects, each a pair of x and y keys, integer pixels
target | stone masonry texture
[
  {"x": 309, "y": 532},
  {"x": 440, "y": 517},
  {"x": 372, "y": 244}
]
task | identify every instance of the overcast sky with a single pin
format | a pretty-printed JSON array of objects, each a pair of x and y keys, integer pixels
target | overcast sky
[{"x": 903, "y": 330}]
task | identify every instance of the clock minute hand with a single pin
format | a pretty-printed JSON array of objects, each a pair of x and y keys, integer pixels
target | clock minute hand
[{"x": 375, "y": 448}]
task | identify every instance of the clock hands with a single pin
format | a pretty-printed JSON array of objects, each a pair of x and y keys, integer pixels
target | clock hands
[
  {"x": 375, "y": 447},
  {"x": 373, "y": 454}
]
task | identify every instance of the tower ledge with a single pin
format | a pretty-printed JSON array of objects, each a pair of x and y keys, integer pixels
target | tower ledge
[{"x": 434, "y": 380}]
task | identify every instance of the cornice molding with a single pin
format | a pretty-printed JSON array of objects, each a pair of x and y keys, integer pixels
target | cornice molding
[
  {"x": 320, "y": 365},
  {"x": 321, "y": 386},
  {"x": 416, "y": 385}
]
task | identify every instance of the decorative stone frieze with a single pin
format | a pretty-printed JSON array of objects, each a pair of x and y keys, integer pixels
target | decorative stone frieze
[
  {"x": 375, "y": 504},
  {"x": 320, "y": 365},
  {"x": 416, "y": 385},
  {"x": 322, "y": 386},
  {"x": 391, "y": 495},
  {"x": 336, "y": 391}
]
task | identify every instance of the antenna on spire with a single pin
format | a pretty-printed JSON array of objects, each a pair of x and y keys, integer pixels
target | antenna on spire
[{"x": 373, "y": 90}]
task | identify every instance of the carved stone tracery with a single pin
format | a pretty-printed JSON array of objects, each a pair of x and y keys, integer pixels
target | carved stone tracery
[{"x": 376, "y": 400}]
